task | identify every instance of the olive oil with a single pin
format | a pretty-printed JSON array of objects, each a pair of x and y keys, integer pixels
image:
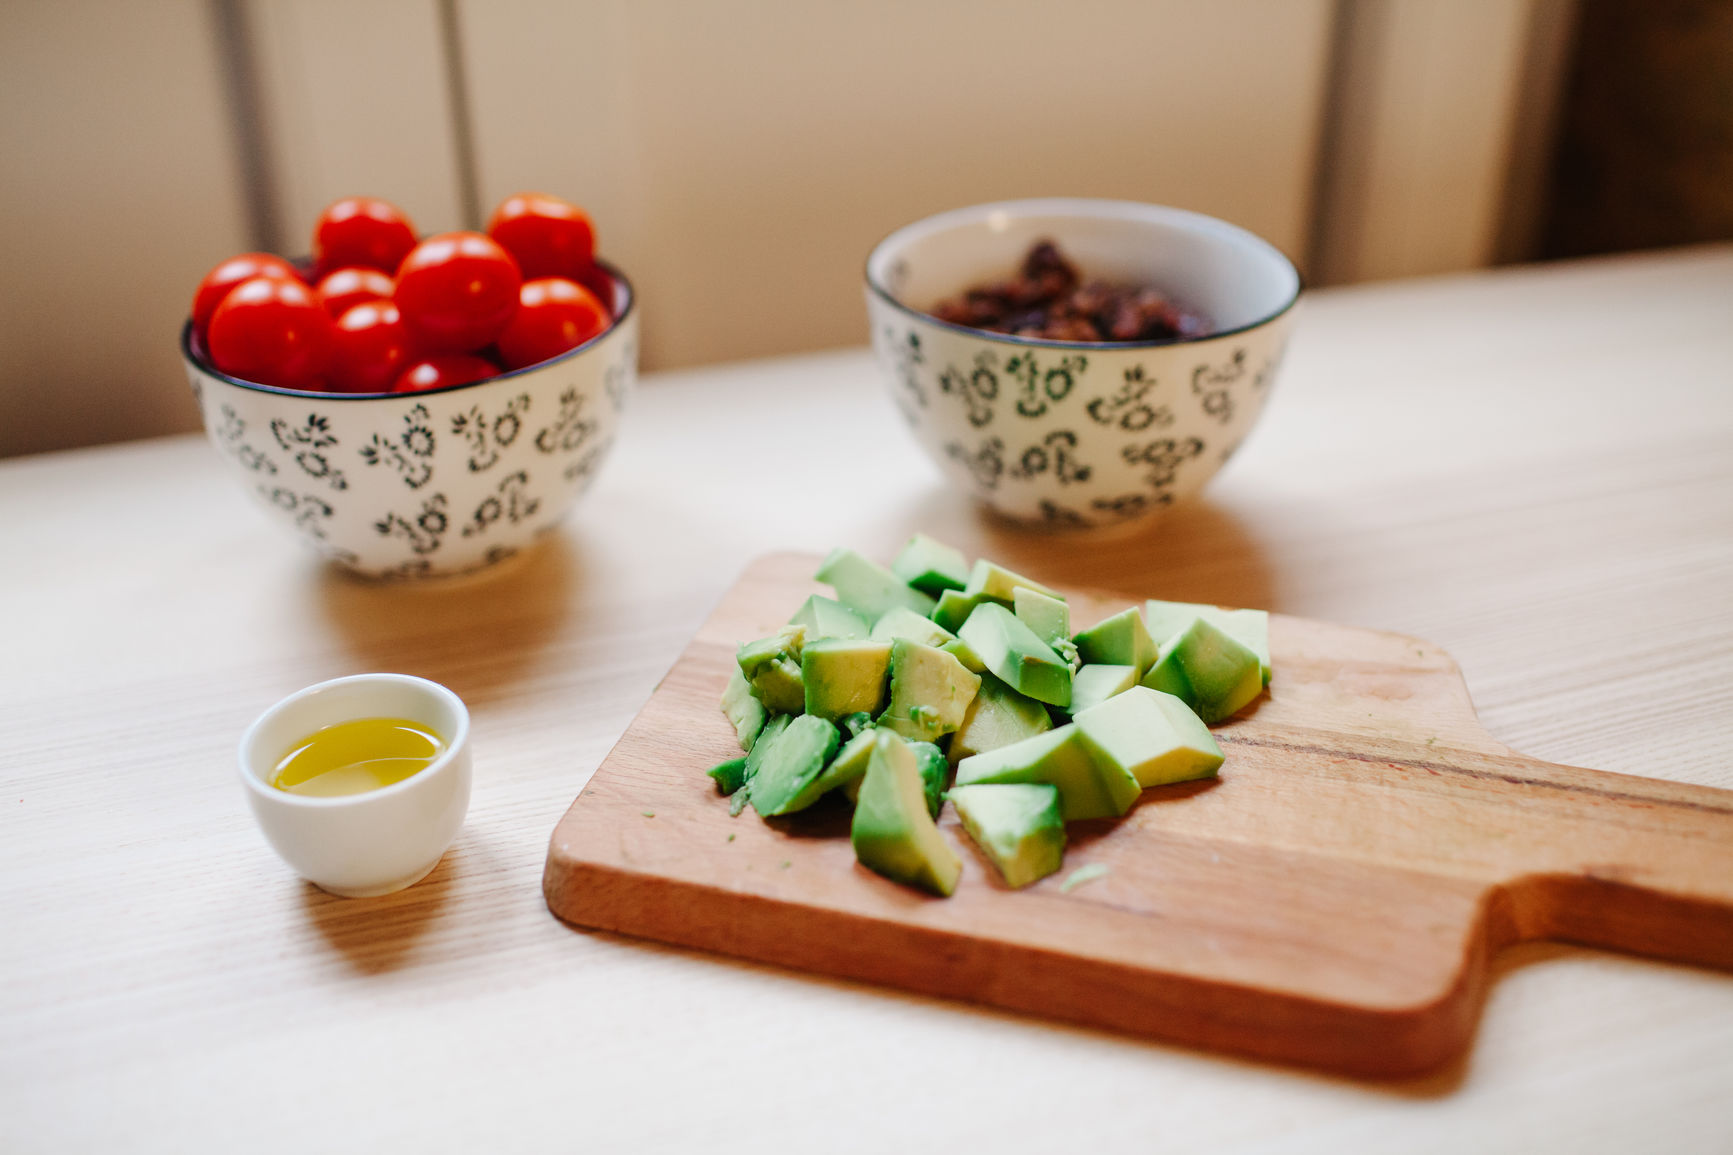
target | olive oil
[{"x": 355, "y": 757}]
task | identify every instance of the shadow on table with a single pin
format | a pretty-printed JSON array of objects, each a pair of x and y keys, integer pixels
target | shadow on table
[{"x": 478, "y": 635}]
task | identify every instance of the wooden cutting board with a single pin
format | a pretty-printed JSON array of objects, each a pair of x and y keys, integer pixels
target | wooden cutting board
[{"x": 1332, "y": 899}]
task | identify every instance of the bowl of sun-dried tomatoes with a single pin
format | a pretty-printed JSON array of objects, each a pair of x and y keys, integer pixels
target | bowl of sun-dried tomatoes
[{"x": 1079, "y": 362}]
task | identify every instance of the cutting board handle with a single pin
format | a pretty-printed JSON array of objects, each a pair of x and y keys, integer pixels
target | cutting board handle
[{"x": 1629, "y": 864}]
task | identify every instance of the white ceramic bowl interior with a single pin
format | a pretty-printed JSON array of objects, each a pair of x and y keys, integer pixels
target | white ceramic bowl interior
[
  {"x": 361, "y": 845},
  {"x": 1069, "y": 433},
  {"x": 441, "y": 482}
]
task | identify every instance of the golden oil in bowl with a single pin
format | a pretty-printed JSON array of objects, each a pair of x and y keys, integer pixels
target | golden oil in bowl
[{"x": 357, "y": 756}]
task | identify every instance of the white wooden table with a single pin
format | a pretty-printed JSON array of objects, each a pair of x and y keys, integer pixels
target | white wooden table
[{"x": 1533, "y": 468}]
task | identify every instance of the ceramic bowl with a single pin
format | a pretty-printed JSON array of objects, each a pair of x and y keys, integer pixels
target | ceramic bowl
[
  {"x": 445, "y": 481},
  {"x": 1069, "y": 433},
  {"x": 362, "y": 845}
]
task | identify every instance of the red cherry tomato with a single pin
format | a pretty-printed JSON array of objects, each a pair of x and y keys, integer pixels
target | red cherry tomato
[
  {"x": 548, "y": 236},
  {"x": 370, "y": 348},
  {"x": 598, "y": 281},
  {"x": 553, "y": 315},
  {"x": 364, "y": 231},
  {"x": 457, "y": 292},
  {"x": 344, "y": 289},
  {"x": 230, "y": 273},
  {"x": 444, "y": 369},
  {"x": 271, "y": 331}
]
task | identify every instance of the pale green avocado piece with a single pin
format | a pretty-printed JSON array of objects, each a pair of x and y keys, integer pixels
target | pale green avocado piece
[
  {"x": 1013, "y": 652},
  {"x": 843, "y": 770},
  {"x": 991, "y": 580},
  {"x": 772, "y": 666},
  {"x": 1207, "y": 670},
  {"x": 773, "y": 729},
  {"x": 905, "y": 623},
  {"x": 931, "y": 566},
  {"x": 935, "y": 774},
  {"x": 799, "y": 754},
  {"x": 892, "y": 832},
  {"x": 953, "y": 609},
  {"x": 729, "y": 776},
  {"x": 1151, "y": 735},
  {"x": 1047, "y": 618},
  {"x": 1018, "y": 826},
  {"x": 1089, "y": 787},
  {"x": 997, "y": 717},
  {"x": 742, "y": 709},
  {"x": 1250, "y": 628},
  {"x": 1093, "y": 685},
  {"x": 930, "y": 691},
  {"x": 867, "y": 587},
  {"x": 825, "y": 618},
  {"x": 844, "y": 677},
  {"x": 1121, "y": 640}
]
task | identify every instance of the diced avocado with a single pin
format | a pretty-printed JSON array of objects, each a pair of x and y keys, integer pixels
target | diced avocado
[
  {"x": 1013, "y": 652},
  {"x": 843, "y": 770},
  {"x": 1018, "y": 826},
  {"x": 773, "y": 729},
  {"x": 1250, "y": 628},
  {"x": 730, "y": 775},
  {"x": 1152, "y": 736},
  {"x": 1089, "y": 787},
  {"x": 772, "y": 666},
  {"x": 844, "y": 677},
  {"x": 1092, "y": 685},
  {"x": 1207, "y": 670},
  {"x": 930, "y": 691},
  {"x": 854, "y": 723},
  {"x": 1047, "y": 618},
  {"x": 997, "y": 717},
  {"x": 1121, "y": 640},
  {"x": 990, "y": 580},
  {"x": 798, "y": 755},
  {"x": 824, "y": 618},
  {"x": 867, "y": 587},
  {"x": 935, "y": 773},
  {"x": 892, "y": 832},
  {"x": 742, "y": 709},
  {"x": 954, "y": 609},
  {"x": 905, "y": 623},
  {"x": 931, "y": 566}
]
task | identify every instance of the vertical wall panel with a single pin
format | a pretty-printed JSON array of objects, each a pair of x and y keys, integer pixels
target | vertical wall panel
[{"x": 118, "y": 189}]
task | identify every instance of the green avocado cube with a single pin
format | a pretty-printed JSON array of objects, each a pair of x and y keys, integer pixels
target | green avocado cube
[
  {"x": 991, "y": 580},
  {"x": 935, "y": 773},
  {"x": 773, "y": 729},
  {"x": 1207, "y": 670},
  {"x": 1089, "y": 786},
  {"x": 930, "y": 566},
  {"x": 797, "y": 756},
  {"x": 844, "y": 677},
  {"x": 742, "y": 708},
  {"x": 824, "y": 618},
  {"x": 1047, "y": 618},
  {"x": 1092, "y": 685},
  {"x": 1018, "y": 826},
  {"x": 953, "y": 609},
  {"x": 1121, "y": 640},
  {"x": 1153, "y": 736},
  {"x": 842, "y": 771},
  {"x": 892, "y": 832},
  {"x": 1250, "y": 628},
  {"x": 867, "y": 587},
  {"x": 1013, "y": 652},
  {"x": 905, "y": 623},
  {"x": 729, "y": 776},
  {"x": 997, "y": 717},
  {"x": 772, "y": 666},
  {"x": 930, "y": 692}
]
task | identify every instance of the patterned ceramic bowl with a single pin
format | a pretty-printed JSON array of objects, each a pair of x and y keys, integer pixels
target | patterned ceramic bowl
[
  {"x": 1074, "y": 434},
  {"x": 440, "y": 482}
]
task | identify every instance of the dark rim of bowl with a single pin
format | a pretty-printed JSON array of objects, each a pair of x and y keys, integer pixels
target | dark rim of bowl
[
  {"x": 613, "y": 272},
  {"x": 884, "y": 294}
]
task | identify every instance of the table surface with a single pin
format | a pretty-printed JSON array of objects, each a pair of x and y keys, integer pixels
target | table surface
[{"x": 1532, "y": 468}]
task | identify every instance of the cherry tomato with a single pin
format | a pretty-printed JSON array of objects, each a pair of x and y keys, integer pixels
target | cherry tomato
[
  {"x": 598, "y": 281},
  {"x": 548, "y": 236},
  {"x": 364, "y": 231},
  {"x": 553, "y": 315},
  {"x": 457, "y": 292},
  {"x": 370, "y": 348},
  {"x": 230, "y": 273},
  {"x": 443, "y": 369},
  {"x": 344, "y": 289},
  {"x": 271, "y": 331}
]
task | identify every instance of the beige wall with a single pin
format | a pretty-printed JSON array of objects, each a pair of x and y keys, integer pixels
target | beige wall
[{"x": 740, "y": 156}]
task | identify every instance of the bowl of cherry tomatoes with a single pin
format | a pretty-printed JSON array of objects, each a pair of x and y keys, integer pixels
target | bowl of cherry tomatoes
[{"x": 417, "y": 406}]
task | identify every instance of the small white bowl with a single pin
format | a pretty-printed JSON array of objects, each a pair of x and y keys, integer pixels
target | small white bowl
[
  {"x": 1071, "y": 433},
  {"x": 362, "y": 845}
]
